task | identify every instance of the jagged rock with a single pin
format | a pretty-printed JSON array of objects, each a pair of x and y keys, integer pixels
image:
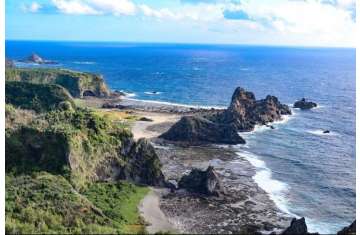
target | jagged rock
[
  {"x": 304, "y": 104},
  {"x": 245, "y": 111},
  {"x": 196, "y": 130},
  {"x": 297, "y": 227},
  {"x": 203, "y": 182},
  {"x": 142, "y": 163},
  {"x": 350, "y": 230}
]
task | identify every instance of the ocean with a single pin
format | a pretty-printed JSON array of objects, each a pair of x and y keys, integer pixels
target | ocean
[{"x": 306, "y": 173}]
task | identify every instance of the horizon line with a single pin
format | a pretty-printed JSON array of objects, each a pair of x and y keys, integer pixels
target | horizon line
[{"x": 185, "y": 43}]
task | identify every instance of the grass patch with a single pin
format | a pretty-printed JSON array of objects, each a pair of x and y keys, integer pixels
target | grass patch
[
  {"x": 119, "y": 202},
  {"x": 46, "y": 203}
]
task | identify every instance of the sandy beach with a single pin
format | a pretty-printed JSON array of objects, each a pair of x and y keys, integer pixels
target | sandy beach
[{"x": 150, "y": 210}]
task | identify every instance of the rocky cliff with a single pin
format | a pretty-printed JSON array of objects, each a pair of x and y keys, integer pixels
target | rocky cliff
[{"x": 78, "y": 84}]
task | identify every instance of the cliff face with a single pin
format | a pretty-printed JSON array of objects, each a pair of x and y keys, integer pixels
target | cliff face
[
  {"x": 83, "y": 146},
  {"x": 77, "y": 83}
]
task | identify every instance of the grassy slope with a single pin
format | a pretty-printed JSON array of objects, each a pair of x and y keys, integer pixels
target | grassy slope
[
  {"x": 38, "y": 97},
  {"x": 42, "y": 193},
  {"x": 46, "y": 203}
]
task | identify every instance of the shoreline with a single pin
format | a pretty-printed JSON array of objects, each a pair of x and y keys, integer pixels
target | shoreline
[
  {"x": 149, "y": 209},
  {"x": 175, "y": 164}
]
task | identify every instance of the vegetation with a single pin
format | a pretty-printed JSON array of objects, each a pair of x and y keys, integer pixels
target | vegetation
[
  {"x": 46, "y": 203},
  {"x": 77, "y": 83},
  {"x": 63, "y": 162},
  {"x": 38, "y": 97}
]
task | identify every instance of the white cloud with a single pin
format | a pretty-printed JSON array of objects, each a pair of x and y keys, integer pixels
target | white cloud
[
  {"x": 95, "y": 7},
  {"x": 33, "y": 7},
  {"x": 116, "y": 7},
  {"x": 199, "y": 12},
  {"x": 74, "y": 7}
]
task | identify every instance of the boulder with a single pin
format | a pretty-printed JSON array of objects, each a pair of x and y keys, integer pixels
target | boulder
[
  {"x": 350, "y": 230},
  {"x": 197, "y": 130},
  {"x": 202, "y": 182},
  {"x": 304, "y": 104}
]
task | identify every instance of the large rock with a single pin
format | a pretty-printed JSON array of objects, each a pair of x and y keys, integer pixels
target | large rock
[
  {"x": 197, "y": 130},
  {"x": 297, "y": 227},
  {"x": 350, "y": 230},
  {"x": 143, "y": 165},
  {"x": 304, "y": 104},
  {"x": 203, "y": 182},
  {"x": 245, "y": 111}
]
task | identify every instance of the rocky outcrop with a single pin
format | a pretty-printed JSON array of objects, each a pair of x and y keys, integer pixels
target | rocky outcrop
[
  {"x": 350, "y": 230},
  {"x": 77, "y": 83},
  {"x": 142, "y": 163},
  {"x": 304, "y": 104},
  {"x": 223, "y": 126},
  {"x": 203, "y": 182},
  {"x": 297, "y": 227},
  {"x": 35, "y": 58},
  {"x": 245, "y": 111},
  {"x": 197, "y": 130}
]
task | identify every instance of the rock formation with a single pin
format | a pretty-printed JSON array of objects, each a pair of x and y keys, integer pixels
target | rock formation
[
  {"x": 142, "y": 163},
  {"x": 35, "y": 58},
  {"x": 223, "y": 126},
  {"x": 304, "y": 104},
  {"x": 203, "y": 182},
  {"x": 297, "y": 227},
  {"x": 196, "y": 130},
  {"x": 245, "y": 111},
  {"x": 350, "y": 230}
]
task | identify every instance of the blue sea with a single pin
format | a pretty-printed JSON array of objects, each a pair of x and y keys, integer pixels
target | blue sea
[{"x": 306, "y": 173}]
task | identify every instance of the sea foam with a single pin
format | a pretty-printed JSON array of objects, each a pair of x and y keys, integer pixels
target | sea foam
[{"x": 263, "y": 178}]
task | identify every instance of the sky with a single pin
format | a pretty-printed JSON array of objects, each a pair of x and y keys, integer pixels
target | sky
[{"x": 252, "y": 22}]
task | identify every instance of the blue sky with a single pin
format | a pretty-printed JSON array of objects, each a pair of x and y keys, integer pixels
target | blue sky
[{"x": 264, "y": 22}]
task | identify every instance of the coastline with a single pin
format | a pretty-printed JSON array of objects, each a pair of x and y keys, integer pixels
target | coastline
[{"x": 246, "y": 197}]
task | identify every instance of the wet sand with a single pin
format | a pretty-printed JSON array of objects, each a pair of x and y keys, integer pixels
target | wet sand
[{"x": 150, "y": 210}]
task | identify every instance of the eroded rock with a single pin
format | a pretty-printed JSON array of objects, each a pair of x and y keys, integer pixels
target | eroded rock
[{"x": 203, "y": 182}]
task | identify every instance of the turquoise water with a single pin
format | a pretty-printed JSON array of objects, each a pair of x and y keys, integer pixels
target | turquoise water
[{"x": 305, "y": 172}]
